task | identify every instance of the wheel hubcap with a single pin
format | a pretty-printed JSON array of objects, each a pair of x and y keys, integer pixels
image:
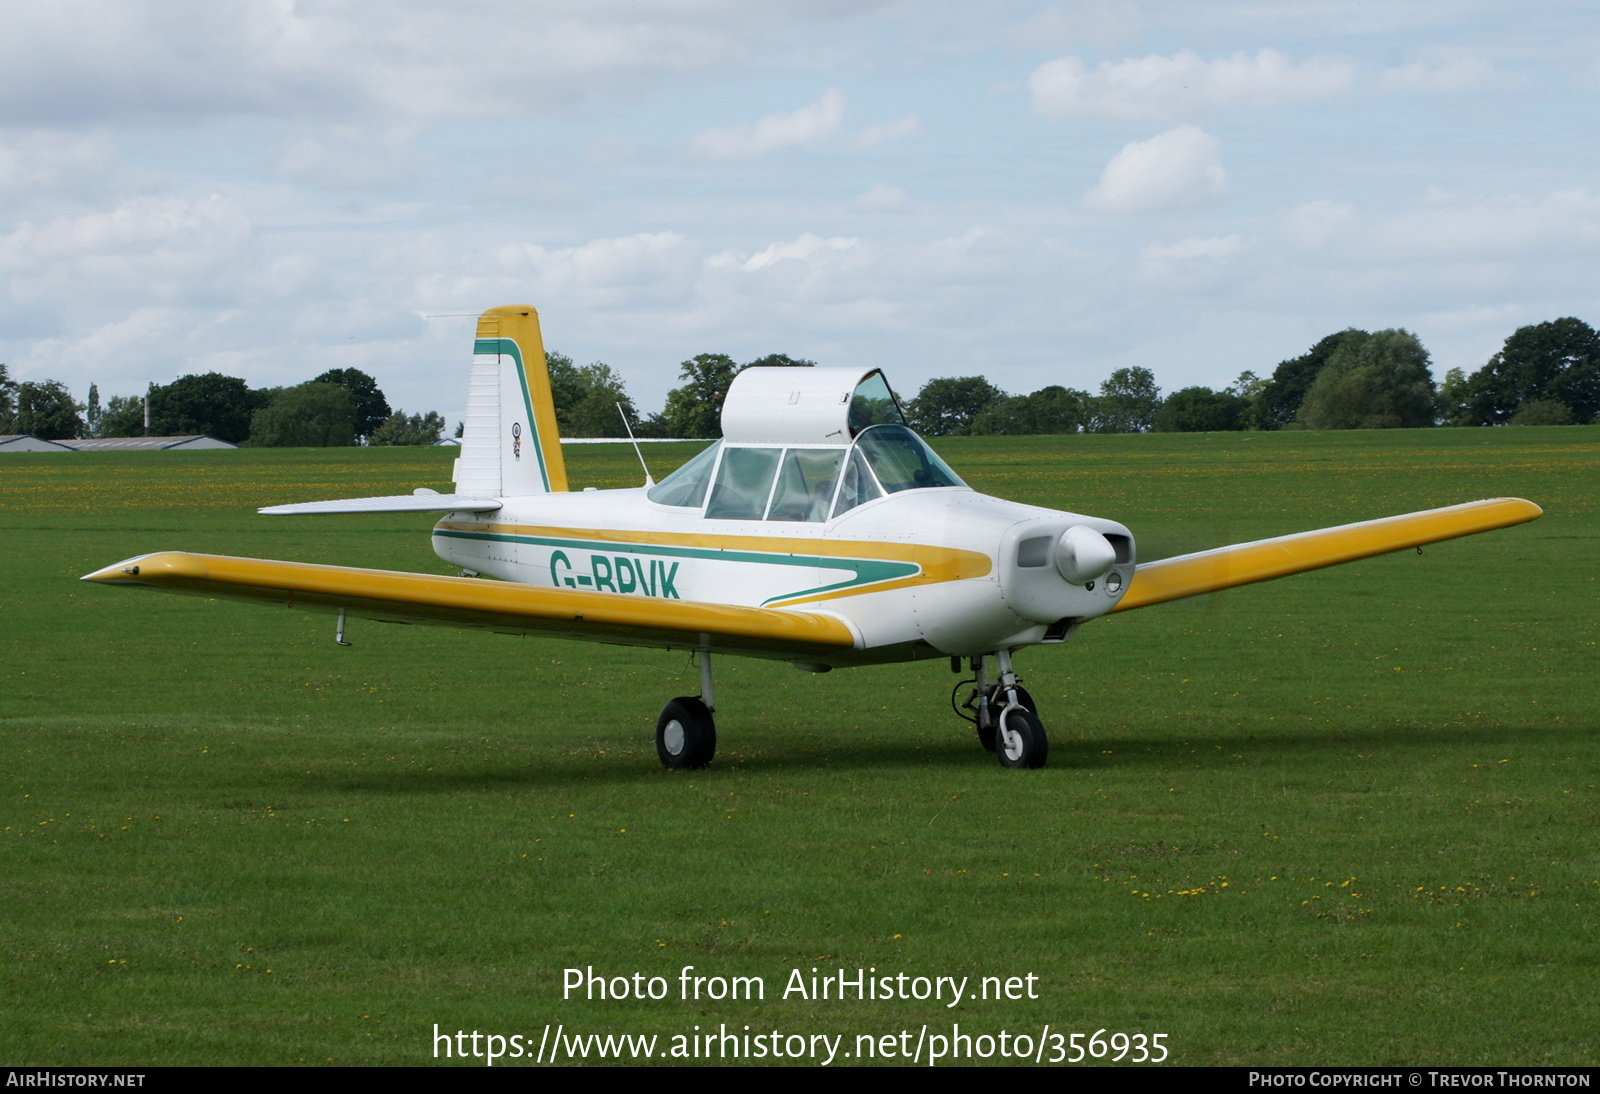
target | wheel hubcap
[
  {"x": 1011, "y": 743},
  {"x": 672, "y": 737}
]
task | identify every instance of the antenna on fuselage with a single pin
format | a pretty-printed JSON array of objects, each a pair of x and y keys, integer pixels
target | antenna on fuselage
[{"x": 648, "y": 481}]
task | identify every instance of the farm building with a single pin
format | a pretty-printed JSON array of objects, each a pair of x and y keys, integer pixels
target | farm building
[
  {"x": 145, "y": 444},
  {"x": 22, "y": 442}
]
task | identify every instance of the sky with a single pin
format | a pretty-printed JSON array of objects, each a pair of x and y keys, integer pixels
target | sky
[{"x": 1038, "y": 193}]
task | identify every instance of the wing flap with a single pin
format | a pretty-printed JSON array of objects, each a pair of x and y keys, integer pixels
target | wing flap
[
  {"x": 1263, "y": 560},
  {"x": 494, "y": 605}
]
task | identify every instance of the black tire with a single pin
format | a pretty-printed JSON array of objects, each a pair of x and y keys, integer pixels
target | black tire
[
  {"x": 997, "y": 703},
  {"x": 686, "y": 734},
  {"x": 1021, "y": 741}
]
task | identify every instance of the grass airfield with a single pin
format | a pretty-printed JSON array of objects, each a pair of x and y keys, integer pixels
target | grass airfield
[{"x": 1346, "y": 817}]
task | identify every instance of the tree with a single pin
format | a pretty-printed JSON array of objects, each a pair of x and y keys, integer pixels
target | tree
[
  {"x": 1278, "y": 401},
  {"x": 948, "y": 406},
  {"x": 1455, "y": 399},
  {"x": 45, "y": 408},
  {"x": 1542, "y": 412},
  {"x": 312, "y": 415},
  {"x": 779, "y": 360},
  {"x": 695, "y": 409},
  {"x": 371, "y": 408},
  {"x": 1381, "y": 381},
  {"x": 1558, "y": 360},
  {"x": 586, "y": 397},
  {"x": 123, "y": 417},
  {"x": 1127, "y": 402},
  {"x": 212, "y": 404},
  {"x": 399, "y": 429},
  {"x": 8, "y": 401},
  {"x": 1201, "y": 410},
  {"x": 1053, "y": 409}
]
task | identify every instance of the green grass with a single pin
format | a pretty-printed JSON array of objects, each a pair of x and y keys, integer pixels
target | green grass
[{"x": 1348, "y": 817}]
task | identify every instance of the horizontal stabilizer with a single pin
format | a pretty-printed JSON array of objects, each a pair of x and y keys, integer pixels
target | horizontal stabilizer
[
  {"x": 1265, "y": 559},
  {"x": 493, "y": 605},
  {"x": 429, "y": 502}
]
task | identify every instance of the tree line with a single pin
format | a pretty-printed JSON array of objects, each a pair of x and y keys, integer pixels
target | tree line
[
  {"x": 1544, "y": 374},
  {"x": 342, "y": 406}
]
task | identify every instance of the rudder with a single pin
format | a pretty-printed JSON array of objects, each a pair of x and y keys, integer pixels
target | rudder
[{"x": 510, "y": 445}]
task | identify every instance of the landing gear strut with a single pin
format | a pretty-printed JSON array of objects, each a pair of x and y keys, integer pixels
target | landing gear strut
[
  {"x": 686, "y": 733},
  {"x": 1005, "y": 715}
]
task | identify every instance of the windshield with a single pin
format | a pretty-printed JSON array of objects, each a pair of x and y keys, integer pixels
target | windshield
[
  {"x": 901, "y": 460},
  {"x": 687, "y": 485}
]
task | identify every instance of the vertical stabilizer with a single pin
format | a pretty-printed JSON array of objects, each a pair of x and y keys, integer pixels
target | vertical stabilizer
[{"x": 510, "y": 445}]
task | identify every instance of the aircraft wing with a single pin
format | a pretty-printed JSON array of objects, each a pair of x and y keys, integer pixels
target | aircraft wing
[
  {"x": 504, "y": 606},
  {"x": 1265, "y": 559},
  {"x": 421, "y": 501}
]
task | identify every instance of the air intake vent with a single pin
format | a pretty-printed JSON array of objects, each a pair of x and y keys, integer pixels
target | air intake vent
[
  {"x": 1060, "y": 630},
  {"x": 1034, "y": 552}
]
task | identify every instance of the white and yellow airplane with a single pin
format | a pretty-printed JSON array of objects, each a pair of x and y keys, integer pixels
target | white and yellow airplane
[{"x": 820, "y": 530}]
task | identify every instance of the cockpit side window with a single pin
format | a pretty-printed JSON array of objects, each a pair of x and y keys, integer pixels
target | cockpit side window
[
  {"x": 744, "y": 480},
  {"x": 856, "y": 485},
  {"x": 873, "y": 404},
  {"x": 902, "y": 460},
  {"x": 687, "y": 485},
  {"x": 805, "y": 484}
]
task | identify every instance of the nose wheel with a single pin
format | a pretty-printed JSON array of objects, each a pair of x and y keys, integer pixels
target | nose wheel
[
  {"x": 1004, "y": 714},
  {"x": 1021, "y": 740}
]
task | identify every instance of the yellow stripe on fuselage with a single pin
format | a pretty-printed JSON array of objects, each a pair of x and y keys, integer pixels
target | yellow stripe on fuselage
[{"x": 936, "y": 564}]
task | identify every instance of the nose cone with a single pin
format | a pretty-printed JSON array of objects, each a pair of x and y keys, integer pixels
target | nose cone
[{"x": 1082, "y": 554}]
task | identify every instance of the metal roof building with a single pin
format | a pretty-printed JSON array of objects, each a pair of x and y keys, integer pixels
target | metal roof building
[
  {"x": 144, "y": 444},
  {"x": 23, "y": 442}
]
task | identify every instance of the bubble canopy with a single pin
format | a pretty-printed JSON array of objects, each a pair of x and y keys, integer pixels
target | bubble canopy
[{"x": 806, "y": 405}]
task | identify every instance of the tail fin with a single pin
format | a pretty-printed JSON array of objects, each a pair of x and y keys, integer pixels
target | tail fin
[{"x": 510, "y": 445}]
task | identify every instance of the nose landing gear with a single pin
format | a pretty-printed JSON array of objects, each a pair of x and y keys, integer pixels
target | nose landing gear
[{"x": 1004, "y": 713}]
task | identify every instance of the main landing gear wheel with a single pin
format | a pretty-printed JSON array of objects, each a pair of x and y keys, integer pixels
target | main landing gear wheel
[
  {"x": 686, "y": 735},
  {"x": 997, "y": 703},
  {"x": 1021, "y": 741}
]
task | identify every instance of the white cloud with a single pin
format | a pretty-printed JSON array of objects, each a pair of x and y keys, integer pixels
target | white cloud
[
  {"x": 1446, "y": 74},
  {"x": 1566, "y": 221},
  {"x": 147, "y": 248},
  {"x": 1453, "y": 226},
  {"x": 1188, "y": 255},
  {"x": 1171, "y": 170},
  {"x": 874, "y": 135},
  {"x": 413, "y": 58},
  {"x": 882, "y": 199},
  {"x": 35, "y": 160},
  {"x": 641, "y": 269},
  {"x": 802, "y": 248},
  {"x": 1157, "y": 88},
  {"x": 785, "y": 129}
]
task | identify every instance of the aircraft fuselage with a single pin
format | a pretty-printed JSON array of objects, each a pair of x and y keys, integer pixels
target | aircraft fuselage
[{"x": 920, "y": 573}]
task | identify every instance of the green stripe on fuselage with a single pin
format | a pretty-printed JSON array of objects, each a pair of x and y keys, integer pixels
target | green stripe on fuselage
[{"x": 868, "y": 571}]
